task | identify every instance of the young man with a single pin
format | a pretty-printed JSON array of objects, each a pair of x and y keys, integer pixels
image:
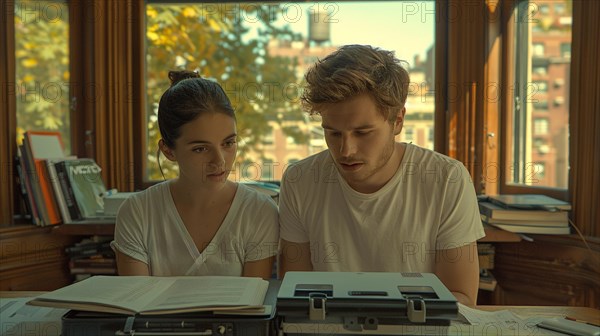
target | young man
[{"x": 370, "y": 203}]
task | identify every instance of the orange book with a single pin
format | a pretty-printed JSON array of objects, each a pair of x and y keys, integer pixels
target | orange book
[
  {"x": 42, "y": 145},
  {"x": 47, "y": 192}
]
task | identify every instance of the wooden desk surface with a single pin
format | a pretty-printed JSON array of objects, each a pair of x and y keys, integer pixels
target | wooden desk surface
[{"x": 581, "y": 313}]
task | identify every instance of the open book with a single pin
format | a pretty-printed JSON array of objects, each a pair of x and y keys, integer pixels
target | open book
[{"x": 149, "y": 295}]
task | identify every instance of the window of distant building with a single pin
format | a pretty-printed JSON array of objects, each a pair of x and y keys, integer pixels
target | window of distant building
[
  {"x": 565, "y": 50},
  {"x": 540, "y": 86},
  {"x": 559, "y": 8},
  {"x": 540, "y": 69},
  {"x": 539, "y": 170},
  {"x": 267, "y": 169},
  {"x": 540, "y": 126},
  {"x": 559, "y": 82},
  {"x": 541, "y": 105},
  {"x": 531, "y": 40},
  {"x": 541, "y": 146},
  {"x": 538, "y": 49},
  {"x": 559, "y": 101},
  {"x": 409, "y": 134}
]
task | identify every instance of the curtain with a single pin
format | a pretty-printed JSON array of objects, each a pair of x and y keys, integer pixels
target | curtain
[
  {"x": 462, "y": 97},
  {"x": 113, "y": 69},
  {"x": 584, "y": 118}
]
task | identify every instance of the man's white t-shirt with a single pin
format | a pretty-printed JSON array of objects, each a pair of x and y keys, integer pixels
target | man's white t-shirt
[
  {"x": 428, "y": 205},
  {"x": 149, "y": 229}
]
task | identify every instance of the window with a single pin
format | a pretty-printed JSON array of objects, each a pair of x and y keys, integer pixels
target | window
[
  {"x": 540, "y": 145},
  {"x": 42, "y": 91},
  {"x": 541, "y": 105},
  {"x": 559, "y": 101},
  {"x": 540, "y": 70},
  {"x": 544, "y": 9},
  {"x": 559, "y": 8},
  {"x": 539, "y": 171},
  {"x": 540, "y": 86},
  {"x": 565, "y": 50},
  {"x": 267, "y": 169},
  {"x": 540, "y": 126},
  {"x": 536, "y": 47},
  {"x": 260, "y": 65},
  {"x": 559, "y": 82},
  {"x": 409, "y": 134}
]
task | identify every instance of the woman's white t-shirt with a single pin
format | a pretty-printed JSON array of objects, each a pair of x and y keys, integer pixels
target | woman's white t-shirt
[{"x": 149, "y": 229}]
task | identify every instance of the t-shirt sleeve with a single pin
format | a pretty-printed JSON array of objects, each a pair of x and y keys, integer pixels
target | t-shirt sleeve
[
  {"x": 263, "y": 241},
  {"x": 290, "y": 225},
  {"x": 129, "y": 237},
  {"x": 460, "y": 220}
]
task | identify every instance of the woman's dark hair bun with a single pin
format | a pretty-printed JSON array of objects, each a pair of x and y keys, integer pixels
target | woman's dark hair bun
[{"x": 178, "y": 76}]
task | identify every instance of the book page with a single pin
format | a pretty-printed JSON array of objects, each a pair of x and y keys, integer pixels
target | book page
[
  {"x": 210, "y": 292},
  {"x": 139, "y": 294},
  {"x": 501, "y": 322},
  {"x": 129, "y": 292}
]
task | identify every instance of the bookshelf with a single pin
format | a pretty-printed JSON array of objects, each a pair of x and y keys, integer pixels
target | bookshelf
[
  {"x": 495, "y": 235},
  {"x": 89, "y": 256},
  {"x": 33, "y": 258},
  {"x": 91, "y": 229}
]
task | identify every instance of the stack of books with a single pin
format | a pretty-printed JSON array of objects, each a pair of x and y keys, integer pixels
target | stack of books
[
  {"x": 524, "y": 213},
  {"x": 57, "y": 188},
  {"x": 91, "y": 256}
]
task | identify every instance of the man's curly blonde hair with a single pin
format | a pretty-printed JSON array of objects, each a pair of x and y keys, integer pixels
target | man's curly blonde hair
[{"x": 353, "y": 70}]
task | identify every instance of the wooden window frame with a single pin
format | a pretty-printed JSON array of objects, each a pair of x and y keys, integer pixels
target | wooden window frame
[
  {"x": 506, "y": 120},
  {"x": 10, "y": 190}
]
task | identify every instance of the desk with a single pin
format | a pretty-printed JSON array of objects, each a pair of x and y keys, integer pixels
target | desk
[{"x": 581, "y": 313}]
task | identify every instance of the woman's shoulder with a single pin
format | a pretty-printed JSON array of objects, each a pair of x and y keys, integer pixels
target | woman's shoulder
[
  {"x": 144, "y": 206},
  {"x": 257, "y": 195},
  {"x": 150, "y": 195}
]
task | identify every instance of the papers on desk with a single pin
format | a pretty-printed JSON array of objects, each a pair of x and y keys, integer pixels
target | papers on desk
[
  {"x": 501, "y": 322},
  {"x": 20, "y": 319}
]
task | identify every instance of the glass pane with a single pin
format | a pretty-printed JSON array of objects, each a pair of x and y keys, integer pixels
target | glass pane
[
  {"x": 540, "y": 128},
  {"x": 42, "y": 67},
  {"x": 259, "y": 53}
]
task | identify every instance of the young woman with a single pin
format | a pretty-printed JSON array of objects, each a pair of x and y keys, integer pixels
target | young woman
[{"x": 199, "y": 223}]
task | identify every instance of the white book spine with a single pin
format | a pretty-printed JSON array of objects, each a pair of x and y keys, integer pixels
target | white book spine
[{"x": 60, "y": 198}]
